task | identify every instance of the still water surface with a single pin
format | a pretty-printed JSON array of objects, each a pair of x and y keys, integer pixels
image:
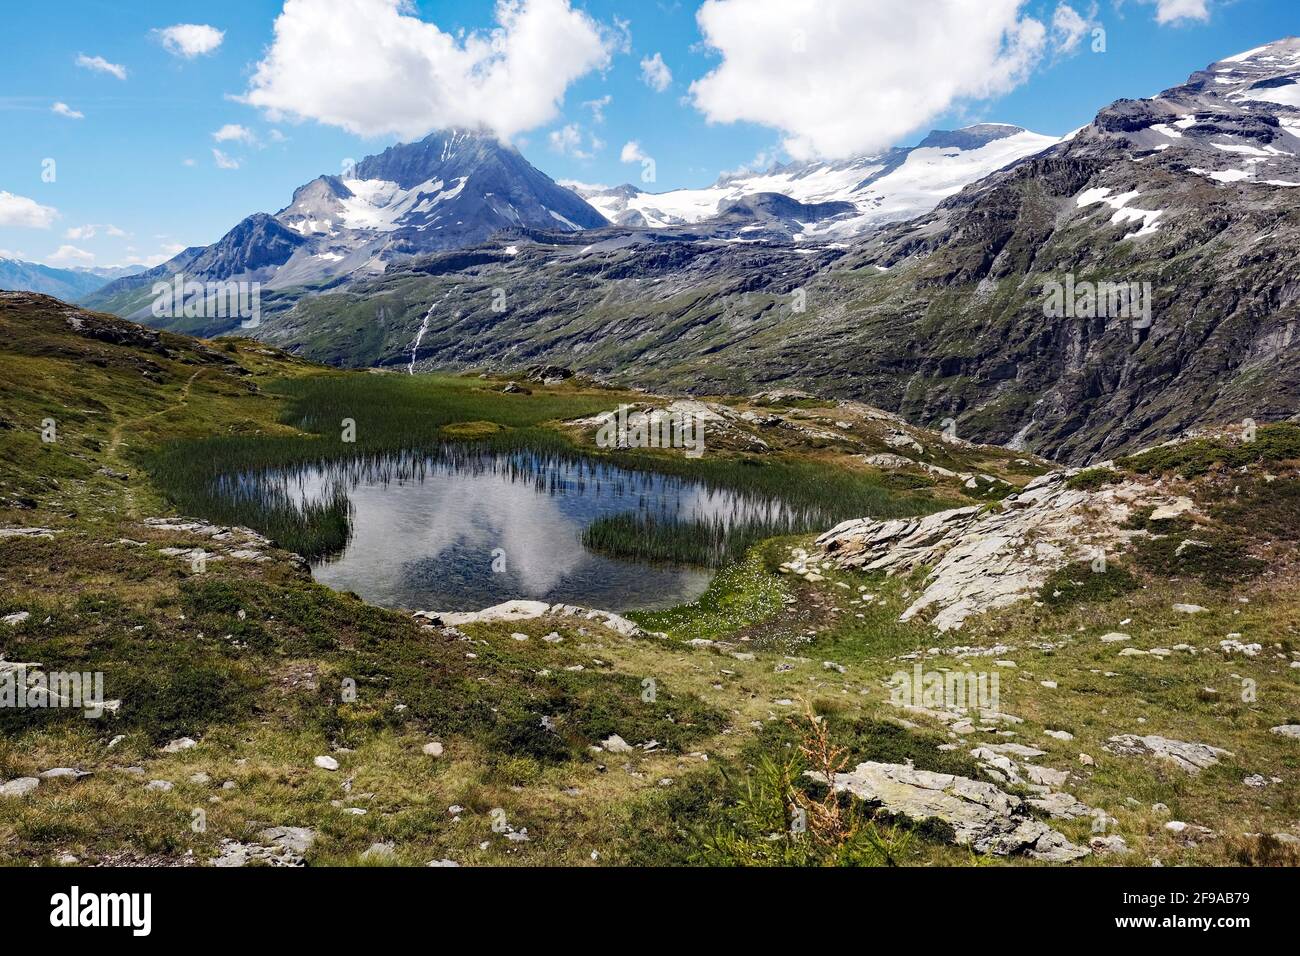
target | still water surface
[{"x": 463, "y": 533}]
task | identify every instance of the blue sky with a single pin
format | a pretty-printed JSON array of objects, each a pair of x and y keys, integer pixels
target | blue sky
[{"x": 136, "y": 177}]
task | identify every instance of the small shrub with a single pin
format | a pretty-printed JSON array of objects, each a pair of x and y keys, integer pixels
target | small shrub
[
  {"x": 1093, "y": 479},
  {"x": 1079, "y": 584}
]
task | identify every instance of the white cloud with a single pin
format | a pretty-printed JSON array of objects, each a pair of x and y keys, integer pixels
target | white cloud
[
  {"x": 842, "y": 77},
  {"x": 63, "y": 109},
  {"x": 168, "y": 251},
  {"x": 78, "y": 233},
  {"x": 234, "y": 133},
  {"x": 632, "y": 153},
  {"x": 1174, "y": 11},
  {"x": 567, "y": 141},
  {"x": 189, "y": 40},
  {"x": 100, "y": 65},
  {"x": 372, "y": 68},
  {"x": 655, "y": 73},
  {"x": 70, "y": 255},
  {"x": 189, "y": 162},
  {"x": 597, "y": 107},
  {"x": 24, "y": 212},
  {"x": 763, "y": 160},
  {"x": 223, "y": 161},
  {"x": 1068, "y": 28}
]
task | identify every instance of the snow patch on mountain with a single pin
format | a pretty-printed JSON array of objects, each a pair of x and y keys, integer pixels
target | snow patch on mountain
[{"x": 891, "y": 187}]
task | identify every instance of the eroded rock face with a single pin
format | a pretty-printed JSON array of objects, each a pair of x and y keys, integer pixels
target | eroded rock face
[
  {"x": 982, "y": 816},
  {"x": 1192, "y": 757},
  {"x": 982, "y": 559}
]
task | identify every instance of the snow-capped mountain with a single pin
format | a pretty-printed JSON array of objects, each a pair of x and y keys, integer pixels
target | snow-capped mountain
[
  {"x": 451, "y": 190},
  {"x": 1236, "y": 121},
  {"x": 947, "y": 315},
  {"x": 893, "y": 186}
]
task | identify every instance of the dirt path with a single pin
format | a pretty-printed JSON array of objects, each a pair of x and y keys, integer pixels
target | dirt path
[{"x": 116, "y": 435}]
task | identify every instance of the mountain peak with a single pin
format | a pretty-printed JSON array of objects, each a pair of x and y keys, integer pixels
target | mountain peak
[{"x": 969, "y": 137}]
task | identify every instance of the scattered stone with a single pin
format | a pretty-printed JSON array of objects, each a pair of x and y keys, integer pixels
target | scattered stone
[
  {"x": 1191, "y": 757},
  {"x": 432, "y": 749},
  {"x": 1115, "y": 637},
  {"x": 326, "y": 763},
  {"x": 63, "y": 773},
  {"x": 379, "y": 851},
  {"x": 13, "y": 620},
  {"x": 160, "y": 786},
  {"x": 1190, "y": 609},
  {"x": 287, "y": 845},
  {"x": 20, "y": 787},
  {"x": 1256, "y": 780},
  {"x": 1233, "y": 646},
  {"x": 1047, "y": 777},
  {"x": 296, "y": 840},
  {"x": 616, "y": 745},
  {"x": 1108, "y": 844},
  {"x": 1287, "y": 730},
  {"x": 181, "y": 743},
  {"x": 1059, "y": 734}
]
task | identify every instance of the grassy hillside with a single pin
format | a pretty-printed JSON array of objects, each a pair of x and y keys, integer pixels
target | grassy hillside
[{"x": 267, "y": 671}]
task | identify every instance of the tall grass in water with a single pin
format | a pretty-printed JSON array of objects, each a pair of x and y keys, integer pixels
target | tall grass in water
[
  {"x": 707, "y": 542},
  {"x": 400, "y": 427}
]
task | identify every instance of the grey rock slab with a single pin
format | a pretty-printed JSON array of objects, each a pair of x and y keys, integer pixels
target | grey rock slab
[
  {"x": 982, "y": 816},
  {"x": 20, "y": 787},
  {"x": 1191, "y": 757}
]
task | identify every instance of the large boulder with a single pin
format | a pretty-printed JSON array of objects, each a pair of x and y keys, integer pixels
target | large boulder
[{"x": 981, "y": 815}]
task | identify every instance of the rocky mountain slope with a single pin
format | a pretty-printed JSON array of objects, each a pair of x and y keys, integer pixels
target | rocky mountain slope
[
  {"x": 70, "y": 284},
  {"x": 1183, "y": 197}
]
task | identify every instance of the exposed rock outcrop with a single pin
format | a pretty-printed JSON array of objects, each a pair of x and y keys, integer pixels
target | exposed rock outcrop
[
  {"x": 983, "y": 558},
  {"x": 982, "y": 816},
  {"x": 513, "y": 611}
]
